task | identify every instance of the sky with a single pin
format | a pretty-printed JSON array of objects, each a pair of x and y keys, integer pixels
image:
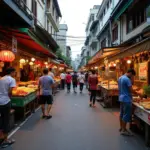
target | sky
[{"x": 75, "y": 14}]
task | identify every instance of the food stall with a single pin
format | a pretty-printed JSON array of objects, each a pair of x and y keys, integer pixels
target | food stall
[{"x": 137, "y": 57}]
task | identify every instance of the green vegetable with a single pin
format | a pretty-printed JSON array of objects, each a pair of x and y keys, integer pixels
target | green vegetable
[{"x": 147, "y": 90}]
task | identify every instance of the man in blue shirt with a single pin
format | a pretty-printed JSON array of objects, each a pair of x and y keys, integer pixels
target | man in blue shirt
[
  {"x": 45, "y": 88},
  {"x": 125, "y": 98}
]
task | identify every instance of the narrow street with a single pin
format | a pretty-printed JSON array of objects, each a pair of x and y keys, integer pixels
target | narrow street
[{"x": 74, "y": 126}]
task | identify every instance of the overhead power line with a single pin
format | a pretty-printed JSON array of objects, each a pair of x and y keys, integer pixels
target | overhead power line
[{"x": 69, "y": 36}]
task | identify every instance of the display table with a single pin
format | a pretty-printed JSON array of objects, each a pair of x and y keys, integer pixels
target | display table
[
  {"x": 109, "y": 96},
  {"x": 24, "y": 105},
  {"x": 143, "y": 115}
]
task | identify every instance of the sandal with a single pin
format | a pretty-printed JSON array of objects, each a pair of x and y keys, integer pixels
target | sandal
[
  {"x": 7, "y": 143},
  {"x": 48, "y": 117}
]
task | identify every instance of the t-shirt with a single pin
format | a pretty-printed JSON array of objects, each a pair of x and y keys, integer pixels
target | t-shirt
[
  {"x": 62, "y": 76},
  {"x": 124, "y": 84},
  {"x": 93, "y": 81},
  {"x": 45, "y": 83},
  {"x": 81, "y": 78},
  {"x": 51, "y": 74},
  {"x": 68, "y": 78},
  {"x": 6, "y": 83}
]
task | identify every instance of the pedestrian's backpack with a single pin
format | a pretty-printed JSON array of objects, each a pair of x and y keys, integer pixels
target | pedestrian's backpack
[{"x": 75, "y": 78}]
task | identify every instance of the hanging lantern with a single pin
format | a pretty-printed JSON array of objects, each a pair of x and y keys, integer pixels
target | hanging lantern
[
  {"x": 33, "y": 59},
  {"x": 22, "y": 61},
  {"x": 31, "y": 63},
  {"x": 7, "y": 56}
]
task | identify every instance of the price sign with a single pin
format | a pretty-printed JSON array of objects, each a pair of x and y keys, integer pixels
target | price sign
[
  {"x": 143, "y": 69},
  {"x": 14, "y": 44}
]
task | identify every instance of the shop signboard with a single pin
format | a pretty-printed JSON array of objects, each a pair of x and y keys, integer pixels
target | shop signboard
[
  {"x": 148, "y": 14},
  {"x": 143, "y": 69},
  {"x": 14, "y": 44}
]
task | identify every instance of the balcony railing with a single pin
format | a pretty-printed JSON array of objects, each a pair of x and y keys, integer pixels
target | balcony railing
[{"x": 22, "y": 5}]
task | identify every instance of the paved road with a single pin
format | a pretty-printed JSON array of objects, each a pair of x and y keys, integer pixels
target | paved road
[{"x": 74, "y": 126}]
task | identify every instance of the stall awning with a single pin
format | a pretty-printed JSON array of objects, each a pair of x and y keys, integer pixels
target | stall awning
[
  {"x": 124, "y": 8},
  {"x": 105, "y": 52},
  {"x": 134, "y": 49},
  {"x": 28, "y": 40}
]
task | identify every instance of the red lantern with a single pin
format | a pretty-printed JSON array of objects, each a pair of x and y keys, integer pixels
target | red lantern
[{"x": 7, "y": 56}]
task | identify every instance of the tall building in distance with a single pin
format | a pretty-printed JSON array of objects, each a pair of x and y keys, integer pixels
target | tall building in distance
[
  {"x": 62, "y": 39},
  {"x": 68, "y": 52}
]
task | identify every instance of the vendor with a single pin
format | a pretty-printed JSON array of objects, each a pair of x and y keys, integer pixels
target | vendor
[
  {"x": 125, "y": 98},
  {"x": 31, "y": 75}
]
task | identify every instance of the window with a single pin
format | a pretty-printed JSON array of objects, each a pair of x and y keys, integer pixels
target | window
[
  {"x": 48, "y": 25},
  {"x": 135, "y": 19},
  {"x": 107, "y": 5},
  {"x": 115, "y": 33},
  {"x": 104, "y": 12},
  {"x": 110, "y": 1},
  {"x": 43, "y": 1},
  {"x": 51, "y": 30},
  {"x": 53, "y": 10},
  {"x": 92, "y": 17},
  {"x": 103, "y": 43}
]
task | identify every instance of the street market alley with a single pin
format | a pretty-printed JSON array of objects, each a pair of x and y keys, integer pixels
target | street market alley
[{"x": 74, "y": 126}]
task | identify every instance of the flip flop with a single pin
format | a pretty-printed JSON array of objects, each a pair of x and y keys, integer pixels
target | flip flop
[{"x": 7, "y": 143}]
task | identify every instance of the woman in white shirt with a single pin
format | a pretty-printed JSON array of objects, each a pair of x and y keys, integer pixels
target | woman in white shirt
[{"x": 81, "y": 80}]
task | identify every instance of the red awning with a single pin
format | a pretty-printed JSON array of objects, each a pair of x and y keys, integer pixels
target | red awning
[{"x": 28, "y": 41}]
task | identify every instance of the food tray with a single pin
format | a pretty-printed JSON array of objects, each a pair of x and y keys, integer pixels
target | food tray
[{"x": 23, "y": 100}]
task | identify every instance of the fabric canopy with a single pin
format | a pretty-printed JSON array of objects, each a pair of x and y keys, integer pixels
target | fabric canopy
[
  {"x": 134, "y": 49},
  {"x": 105, "y": 52},
  {"x": 28, "y": 41}
]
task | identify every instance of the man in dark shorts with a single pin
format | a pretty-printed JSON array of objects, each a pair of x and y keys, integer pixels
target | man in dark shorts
[
  {"x": 45, "y": 88},
  {"x": 75, "y": 81},
  {"x": 125, "y": 98},
  {"x": 7, "y": 83}
]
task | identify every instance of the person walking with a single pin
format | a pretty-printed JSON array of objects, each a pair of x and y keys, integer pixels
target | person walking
[
  {"x": 62, "y": 76},
  {"x": 86, "y": 79},
  {"x": 45, "y": 88},
  {"x": 68, "y": 81},
  {"x": 93, "y": 81},
  {"x": 81, "y": 79},
  {"x": 125, "y": 98},
  {"x": 75, "y": 81},
  {"x": 7, "y": 83}
]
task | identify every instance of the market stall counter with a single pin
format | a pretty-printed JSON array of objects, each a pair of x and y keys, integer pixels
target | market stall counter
[
  {"x": 24, "y": 100},
  {"x": 142, "y": 114},
  {"x": 109, "y": 93}
]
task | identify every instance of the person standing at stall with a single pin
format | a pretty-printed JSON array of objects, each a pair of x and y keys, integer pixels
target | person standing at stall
[
  {"x": 46, "y": 83},
  {"x": 81, "y": 79},
  {"x": 62, "y": 76},
  {"x": 7, "y": 83},
  {"x": 68, "y": 81},
  {"x": 125, "y": 98},
  {"x": 75, "y": 81},
  {"x": 93, "y": 81},
  {"x": 50, "y": 73}
]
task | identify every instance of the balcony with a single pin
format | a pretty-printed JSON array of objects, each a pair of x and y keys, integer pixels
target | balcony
[
  {"x": 52, "y": 19},
  {"x": 15, "y": 13},
  {"x": 93, "y": 41}
]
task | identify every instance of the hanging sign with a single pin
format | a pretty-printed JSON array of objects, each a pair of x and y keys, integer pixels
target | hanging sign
[
  {"x": 14, "y": 44},
  {"x": 143, "y": 70},
  {"x": 148, "y": 14}
]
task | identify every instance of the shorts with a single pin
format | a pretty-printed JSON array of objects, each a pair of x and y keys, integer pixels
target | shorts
[
  {"x": 126, "y": 111},
  {"x": 5, "y": 117},
  {"x": 46, "y": 99}
]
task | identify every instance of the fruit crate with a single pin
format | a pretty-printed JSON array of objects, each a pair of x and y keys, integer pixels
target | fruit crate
[{"x": 21, "y": 101}]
